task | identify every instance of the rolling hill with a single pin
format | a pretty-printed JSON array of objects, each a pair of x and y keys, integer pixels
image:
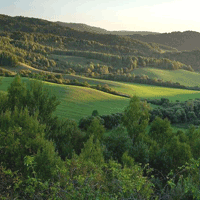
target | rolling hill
[
  {"x": 77, "y": 102},
  {"x": 93, "y": 29},
  {"x": 187, "y": 40},
  {"x": 183, "y": 77}
]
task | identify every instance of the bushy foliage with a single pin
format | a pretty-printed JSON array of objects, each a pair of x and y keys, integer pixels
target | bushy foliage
[
  {"x": 117, "y": 143},
  {"x": 67, "y": 137},
  {"x": 35, "y": 97},
  {"x": 136, "y": 117},
  {"x": 22, "y": 135}
]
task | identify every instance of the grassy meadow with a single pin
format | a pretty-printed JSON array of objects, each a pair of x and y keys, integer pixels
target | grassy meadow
[
  {"x": 77, "y": 102},
  {"x": 183, "y": 77},
  {"x": 146, "y": 91}
]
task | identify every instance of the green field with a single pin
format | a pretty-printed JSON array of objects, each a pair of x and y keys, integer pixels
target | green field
[
  {"x": 77, "y": 102},
  {"x": 142, "y": 90},
  {"x": 183, "y": 77},
  {"x": 146, "y": 91}
]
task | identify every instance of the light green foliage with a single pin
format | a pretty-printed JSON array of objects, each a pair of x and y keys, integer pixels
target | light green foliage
[
  {"x": 22, "y": 135},
  {"x": 39, "y": 99},
  {"x": 129, "y": 179},
  {"x": 136, "y": 117},
  {"x": 77, "y": 102},
  {"x": 194, "y": 141},
  {"x": 16, "y": 93},
  {"x": 91, "y": 177},
  {"x": 183, "y": 183},
  {"x": 34, "y": 96},
  {"x": 92, "y": 151}
]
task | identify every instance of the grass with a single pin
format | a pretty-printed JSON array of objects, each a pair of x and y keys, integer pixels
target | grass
[
  {"x": 77, "y": 102},
  {"x": 141, "y": 90},
  {"x": 184, "y": 77}
]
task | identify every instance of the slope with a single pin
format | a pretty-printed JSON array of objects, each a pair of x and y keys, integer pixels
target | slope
[
  {"x": 183, "y": 77},
  {"x": 77, "y": 102},
  {"x": 187, "y": 40},
  {"x": 93, "y": 29}
]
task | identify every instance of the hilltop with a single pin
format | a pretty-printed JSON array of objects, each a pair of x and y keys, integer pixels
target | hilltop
[
  {"x": 187, "y": 40},
  {"x": 93, "y": 29}
]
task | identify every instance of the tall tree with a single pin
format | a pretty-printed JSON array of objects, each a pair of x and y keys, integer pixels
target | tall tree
[{"x": 136, "y": 117}]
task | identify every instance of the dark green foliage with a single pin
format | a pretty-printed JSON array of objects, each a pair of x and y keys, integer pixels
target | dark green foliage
[
  {"x": 3, "y": 102},
  {"x": 67, "y": 137},
  {"x": 8, "y": 59},
  {"x": 109, "y": 121},
  {"x": 140, "y": 152},
  {"x": 95, "y": 113},
  {"x": 85, "y": 122},
  {"x": 161, "y": 131},
  {"x": 117, "y": 143},
  {"x": 179, "y": 152},
  {"x": 112, "y": 121}
]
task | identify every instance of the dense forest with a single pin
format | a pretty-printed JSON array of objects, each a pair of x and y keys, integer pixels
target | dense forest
[{"x": 44, "y": 157}]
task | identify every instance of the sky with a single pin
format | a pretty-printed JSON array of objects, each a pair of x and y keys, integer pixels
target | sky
[{"x": 131, "y": 15}]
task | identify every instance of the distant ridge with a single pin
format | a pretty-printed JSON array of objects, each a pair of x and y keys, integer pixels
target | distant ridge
[
  {"x": 93, "y": 29},
  {"x": 187, "y": 40}
]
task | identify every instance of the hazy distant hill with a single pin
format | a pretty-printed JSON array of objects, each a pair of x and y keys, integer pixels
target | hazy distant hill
[
  {"x": 188, "y": 40},
  {"x": 84, "y": 27},
  {"x": 32, "y": 39},
  {"x": 93, "y": 29},
  {"x": 34, "y": 25}
]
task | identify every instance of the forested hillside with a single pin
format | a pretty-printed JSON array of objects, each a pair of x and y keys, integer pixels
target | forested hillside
[
  {"x": 93, "y": 29},
  {"x": 48, "y": 46},
  {"x": 187, "y": 40}
]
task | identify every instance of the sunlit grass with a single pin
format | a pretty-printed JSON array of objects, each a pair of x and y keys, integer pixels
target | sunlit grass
[
  {"x": 77, "y": 102},
  {"x": 183, "y": 77}
]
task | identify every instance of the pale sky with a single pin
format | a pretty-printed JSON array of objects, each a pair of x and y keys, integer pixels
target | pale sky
[{"x": 131, "y": 15}]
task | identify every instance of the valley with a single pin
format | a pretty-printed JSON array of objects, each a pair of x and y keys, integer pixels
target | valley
[{"x": 87, "y": 113}]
